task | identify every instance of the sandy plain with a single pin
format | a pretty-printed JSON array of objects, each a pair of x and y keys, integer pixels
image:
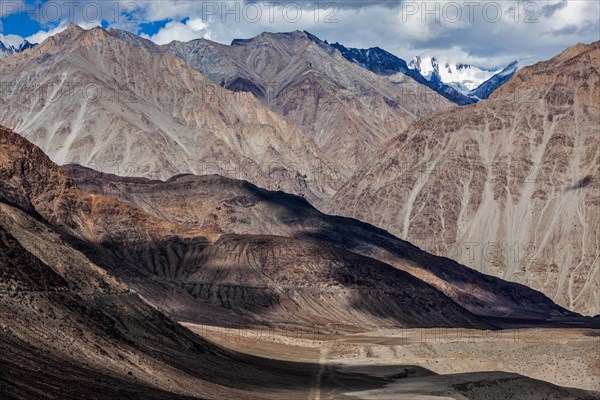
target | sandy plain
[{"x": 428, "y": 364}]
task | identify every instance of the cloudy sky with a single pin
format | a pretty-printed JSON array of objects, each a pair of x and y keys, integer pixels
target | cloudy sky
[{"x": 484, "y": 33}]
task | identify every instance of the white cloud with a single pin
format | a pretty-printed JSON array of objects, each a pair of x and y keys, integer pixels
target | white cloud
[
  {"x": 487, "y": 33},
  {"x": 152, "y": 10},
  {"x": 183, "y": 32},
  {"x": 393, "y": 26},
  {"x": 42, "y": 35}
]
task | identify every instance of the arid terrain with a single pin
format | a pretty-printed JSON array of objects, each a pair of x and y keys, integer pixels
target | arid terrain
[
  {"x": 225, "y": 206},
  {"x": 508, "y": 186},
  {"x": 162, "y": 120},
  {"x": 62, "y": 245},
  {"x": 282, "y": 218},
  {"x": 348, "y": 111},
  {"x": 436, "y": 363}
]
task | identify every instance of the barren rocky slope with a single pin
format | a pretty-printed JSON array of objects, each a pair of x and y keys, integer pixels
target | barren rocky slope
[
  {"x": 223, "y": 205},
  {"x": 348, "y": 111},
  {"x": 206, "y": 277},
  {"x": 94, "y": 99},
  {"x": 509, "y": 186},
  {"x": 68, "y": 330}
]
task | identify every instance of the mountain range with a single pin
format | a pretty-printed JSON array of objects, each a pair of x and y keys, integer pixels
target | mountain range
[
  {"x": 169, "y": 119},
  {"x": 154, "y": 199},
  {"x": 466, "y": 79},
  {"x": 347, "y": 111},
  {"x": 69, "y": 329},
  {"x": 90, "y": 284},
  {"x": 508, "y": 186},
  {"x": 206, "y": 270},
  {"x": 164, "y": 120},
  {"x": 459, "y": 83}
]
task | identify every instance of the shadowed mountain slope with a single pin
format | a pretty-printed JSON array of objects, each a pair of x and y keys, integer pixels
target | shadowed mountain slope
[
  {"x": 69, "y": 330},
  {"x": 223, "y": 205},
  {"x": 208, "y": 277}
]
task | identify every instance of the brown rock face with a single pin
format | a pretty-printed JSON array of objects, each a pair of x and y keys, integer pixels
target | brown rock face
[
  {"x": 68, "y": 330},
  {"x": 348, "y": 111},
  {"x": 221, "y": 279},
  {"x": 229, "y": 206},
  {"x": 509, "y": 187},
  {"x": 123, "y": 109}
]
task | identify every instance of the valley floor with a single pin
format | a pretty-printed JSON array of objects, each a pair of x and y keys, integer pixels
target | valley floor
[{"x": 428, "y": 364}]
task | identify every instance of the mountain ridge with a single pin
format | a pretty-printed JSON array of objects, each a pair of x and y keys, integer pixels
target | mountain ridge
[
  {"x": 346, "y": 110},
  {"x": 208, "y": 277},
  {"x": 382, "y": 62},
  {"x": 519, "y": 169},
  {"x": 6, "y": 51},
  {"x": 236, "y": 207},
  {"x": 164, "y": 120}
]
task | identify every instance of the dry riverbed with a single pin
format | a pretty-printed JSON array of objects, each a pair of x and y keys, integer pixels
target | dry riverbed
[{"x": 431, "y": 364}]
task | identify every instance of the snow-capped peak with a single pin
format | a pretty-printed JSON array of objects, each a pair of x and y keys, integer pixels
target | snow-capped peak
[
  {"x": 510, "y": 69},
  {"x": 25, "y": 44},
  {"x": 6, "y": 49},
  {"x": 461, "y": 76},
  {"x": 427, "y": 66}
]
